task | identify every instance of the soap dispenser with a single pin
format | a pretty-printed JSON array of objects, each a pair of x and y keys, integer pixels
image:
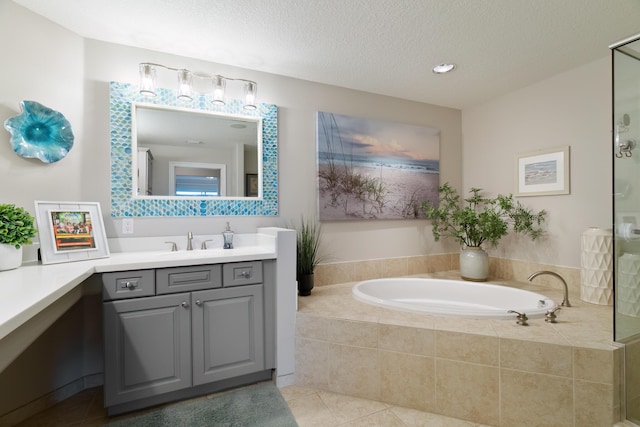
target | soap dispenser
[{"x": 227, "y": 234}]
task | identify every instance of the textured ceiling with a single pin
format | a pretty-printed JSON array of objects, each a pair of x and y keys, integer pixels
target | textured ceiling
[{"x": 381, "y": 46}]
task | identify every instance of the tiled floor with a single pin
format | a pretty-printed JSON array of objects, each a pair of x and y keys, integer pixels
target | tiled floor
[
  {"x": 316, "y": 408},
  {"x": 310, "y": 408}
]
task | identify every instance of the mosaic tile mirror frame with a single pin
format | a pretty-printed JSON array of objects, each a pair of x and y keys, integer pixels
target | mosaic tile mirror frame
[{"x": 123, "y": 204}]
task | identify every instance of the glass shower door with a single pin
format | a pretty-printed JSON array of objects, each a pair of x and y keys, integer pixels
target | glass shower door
[{"x": 626, "y": 214}]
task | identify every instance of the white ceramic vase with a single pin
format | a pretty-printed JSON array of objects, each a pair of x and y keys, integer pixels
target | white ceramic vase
[
  {"x": 474, "y": 264},
  {"x": 628, "y": 285},
  {"x": 596, "y": 274},
  {"x": 10, "y": 257}
]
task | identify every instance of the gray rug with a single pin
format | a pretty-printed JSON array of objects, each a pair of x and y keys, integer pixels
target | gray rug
[{"x": 256, "y": 405}]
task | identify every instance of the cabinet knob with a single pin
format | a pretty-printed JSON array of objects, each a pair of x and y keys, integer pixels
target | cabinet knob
[
  {"x": 245, "y": 274},
  {"x": 131, "y": 285},
  {"x": 185, "y": 304},
  {"x": 198, "y": 302}
]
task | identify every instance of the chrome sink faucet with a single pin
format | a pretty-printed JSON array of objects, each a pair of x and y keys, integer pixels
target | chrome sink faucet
[
  {"x": 565, "y": 300},
  {"x": 190, "y": 241}
]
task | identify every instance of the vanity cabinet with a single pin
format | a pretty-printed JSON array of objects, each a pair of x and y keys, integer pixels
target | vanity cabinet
[
  {"x": 227, "y": 333},
  {"x": 201, "y": 325},
  {"x": 147, "y": 347}
]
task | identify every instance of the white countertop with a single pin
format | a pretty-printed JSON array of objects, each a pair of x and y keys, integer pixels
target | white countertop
[{"x": 29, "y": 289}]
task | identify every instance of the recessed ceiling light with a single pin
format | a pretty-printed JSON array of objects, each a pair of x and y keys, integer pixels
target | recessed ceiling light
[{"x": 444, "y": 68}]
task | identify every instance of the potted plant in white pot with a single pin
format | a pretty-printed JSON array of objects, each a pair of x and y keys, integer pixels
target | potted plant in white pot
[
  {"x": 16, "y": 229},
  {"x": 307, "y": 253},
  {"x": 480, "y": 219}
]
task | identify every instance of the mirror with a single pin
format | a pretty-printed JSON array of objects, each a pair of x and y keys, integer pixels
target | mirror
[
  {"x": 175, "y": 158},
  {"x": 193, "y": 153}
]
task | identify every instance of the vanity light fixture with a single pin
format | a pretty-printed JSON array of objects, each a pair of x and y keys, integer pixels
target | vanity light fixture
[
  {"x": 218, "y": 90},
  {"x": 147, "y": 80},
  {"x": 148, "y": 84},
  {"x": 250, "y": 92},
  {"x": 444, "y": 68},
  {"x": 185, "y": 80}
]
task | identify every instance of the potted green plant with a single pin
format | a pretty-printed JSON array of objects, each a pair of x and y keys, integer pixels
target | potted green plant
[
  {"x": 478, "y": 220},
  {"x": 16, "y": 229},
  {"x": 307, "y": 253}
]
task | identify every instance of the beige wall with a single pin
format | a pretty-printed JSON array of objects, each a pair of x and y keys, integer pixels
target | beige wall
[
  {"x": 48, "y": 64},
  {"x": 573, "y": 108},
  {"x": 297, "y": 101},
  {"x": 67, "y": 73},
  {"x": 61, "y": 70},
  {"x": 40, "y": 62}
]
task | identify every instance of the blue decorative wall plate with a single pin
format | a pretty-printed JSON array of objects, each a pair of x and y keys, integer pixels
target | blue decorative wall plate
[{"x": 40, "y": 132}]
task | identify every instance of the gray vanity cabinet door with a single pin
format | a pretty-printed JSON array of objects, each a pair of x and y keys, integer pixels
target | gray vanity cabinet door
[
  {"x": 228, "y": 333},
  {"x": 147, "y": 347}
]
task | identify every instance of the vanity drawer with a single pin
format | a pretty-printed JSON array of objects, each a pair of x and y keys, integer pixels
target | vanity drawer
[
  {"x": 242, "y": 273},
  {"x": 128, "y": 284},
  {"x": 193, "y": 278}
]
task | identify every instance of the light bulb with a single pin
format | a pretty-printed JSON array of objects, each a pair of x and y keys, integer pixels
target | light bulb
[
  {"x": 185, "y": 79},
  {"x": 147, "y": 80},
  {"x": 250, "y": 92},
  {"x": 218, "y": 90}
]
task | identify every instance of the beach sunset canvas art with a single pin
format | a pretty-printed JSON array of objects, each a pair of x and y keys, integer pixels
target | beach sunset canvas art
[{"x": 374, "y": 169}]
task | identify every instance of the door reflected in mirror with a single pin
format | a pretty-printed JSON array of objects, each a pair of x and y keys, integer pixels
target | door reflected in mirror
[{"x": 186, "y": 153}]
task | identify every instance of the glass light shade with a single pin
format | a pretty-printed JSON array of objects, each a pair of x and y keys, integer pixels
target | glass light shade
[
  {"x": 185, "y": 79},
  {"x": 219, "y": 84},
  {"x": 250, "y": 92},
  {"x": 147, "y": 80}
]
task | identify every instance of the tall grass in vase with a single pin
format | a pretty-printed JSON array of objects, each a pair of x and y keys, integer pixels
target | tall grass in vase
[{"x": 308, "y": 235}]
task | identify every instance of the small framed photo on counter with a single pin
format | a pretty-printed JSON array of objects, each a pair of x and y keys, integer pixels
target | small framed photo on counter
[{"x": 70, "y": 231}]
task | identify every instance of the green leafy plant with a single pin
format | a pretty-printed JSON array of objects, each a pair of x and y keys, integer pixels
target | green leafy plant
[
  {"x": 307, "y": 246},
  {"x": 481, "y": 219},
  {"x": 16, "y": 226}
]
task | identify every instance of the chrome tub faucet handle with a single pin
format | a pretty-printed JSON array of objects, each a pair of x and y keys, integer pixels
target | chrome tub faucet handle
[
  {"x": 522, "y": 318},
  {"x": 550, "y": 317}
]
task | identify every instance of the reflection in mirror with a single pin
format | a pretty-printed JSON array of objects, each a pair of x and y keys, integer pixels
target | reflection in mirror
[
  {"x": 197, "y": 179},
  {"x": 162, "y": 137},
  {"x": 215, "y": 180}
]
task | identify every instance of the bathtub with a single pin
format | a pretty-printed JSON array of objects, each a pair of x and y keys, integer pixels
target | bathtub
[{"x": 452, "y": 298}]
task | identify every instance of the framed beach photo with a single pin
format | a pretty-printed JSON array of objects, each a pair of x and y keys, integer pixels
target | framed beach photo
[
  {"x": 70, "y": 231},
  {"x": 370, "y": 169},
  {"x": 543, "y": 172}
]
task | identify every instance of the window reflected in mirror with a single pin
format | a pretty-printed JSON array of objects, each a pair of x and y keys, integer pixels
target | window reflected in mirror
[{"x": 197, "y": 179}]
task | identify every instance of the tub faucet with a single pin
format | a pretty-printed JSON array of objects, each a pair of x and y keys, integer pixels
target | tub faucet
[
  {"x": 565, "y": 300},
  {"x": 190, "y": 241}
]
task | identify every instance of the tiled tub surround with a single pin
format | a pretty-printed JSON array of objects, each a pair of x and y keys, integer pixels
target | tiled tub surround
[
  {"x": 493, "y": 372},
  {"x": 355, "y": 271}
]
